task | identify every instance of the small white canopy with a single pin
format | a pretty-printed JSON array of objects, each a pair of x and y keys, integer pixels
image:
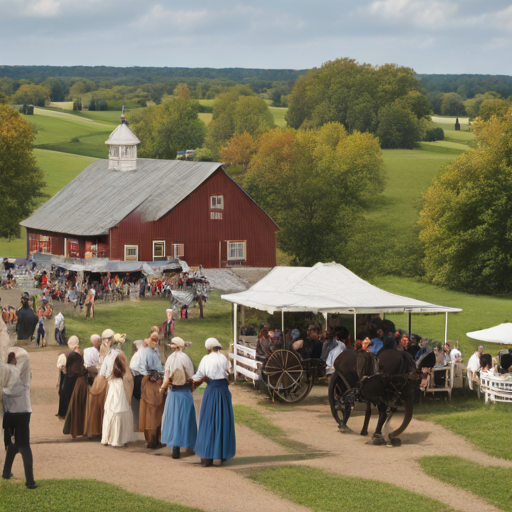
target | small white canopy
[
  {"x": 326, "y": 288},
  {"x": 498, "y": 334}
]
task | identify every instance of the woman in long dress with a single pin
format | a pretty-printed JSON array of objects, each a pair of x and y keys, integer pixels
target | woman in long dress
[
  {"x": 179, "y": 426},
  {"x": 216, "y": 436},
  {"x": 118, "y": 419},
  {"x": 74, "y": 368}
]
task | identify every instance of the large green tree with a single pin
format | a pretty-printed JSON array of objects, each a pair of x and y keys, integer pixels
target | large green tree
[
  {"x": 398, "y": 127},
  {"x": 31, "y": 94},
  {"x": 168, "y": 128},
  {"x": 350, "y": 93},
  {"x": 466, "y": 221},
  {"x": 58, "y": 88},
  {"x": 22, "y": 181},
  {"x": 314, "y": 184},
  {"x": 452, "y": 105},
  {"x": 236, "y": 111}
]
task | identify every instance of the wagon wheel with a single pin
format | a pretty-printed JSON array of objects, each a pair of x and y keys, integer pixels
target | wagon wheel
[
  {"x": 285, "y": 377},
  {"x": 336, "y": 390}
]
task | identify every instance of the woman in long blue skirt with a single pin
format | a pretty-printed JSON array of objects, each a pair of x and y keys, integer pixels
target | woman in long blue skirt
[
  {"x": 216, "y": 436},
  {"x": 179, "y": 426}
]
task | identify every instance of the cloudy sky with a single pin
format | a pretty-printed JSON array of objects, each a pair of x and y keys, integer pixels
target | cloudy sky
[{"x": 432, "y": 36}]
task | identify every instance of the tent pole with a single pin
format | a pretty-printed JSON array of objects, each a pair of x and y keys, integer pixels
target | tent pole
[
  {"x": 235, "y": 337},
  {"x": 282, "y": 321},
  {"x": 410, "y": 324},
  {"x": 355, "y": 328},
  {"x": 446, "y": 328}
]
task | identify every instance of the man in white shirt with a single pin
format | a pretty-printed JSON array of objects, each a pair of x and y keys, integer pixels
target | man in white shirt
[
  {"x": 59, "y": 328},
  {"x": 92, "y": 357},
  {"x": 17, "y": 406}
]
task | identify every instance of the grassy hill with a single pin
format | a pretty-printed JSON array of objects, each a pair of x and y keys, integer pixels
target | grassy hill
[
  {"x": 55, "y": 131},
  {"x": 59, "y": 170}
]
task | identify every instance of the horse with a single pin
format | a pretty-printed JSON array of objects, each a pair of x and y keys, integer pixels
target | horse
[{"x": 386, "y": 382}]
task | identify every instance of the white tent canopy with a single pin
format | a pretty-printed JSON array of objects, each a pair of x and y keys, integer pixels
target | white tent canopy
[
  {"x": 326, "y": 288},
  {"x": 498, "y": 334}
]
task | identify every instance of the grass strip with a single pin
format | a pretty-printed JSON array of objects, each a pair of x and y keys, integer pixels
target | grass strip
[
  {"x": 83, "y": 495},
  {"x": 485, "y": 425},
  {"x": 492, "y": 483},
  {"x": 245, "y": 415},
  {"x": 325, "y": 492}
]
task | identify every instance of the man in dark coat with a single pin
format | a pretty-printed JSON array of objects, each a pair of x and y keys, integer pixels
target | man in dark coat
[{"x": 27, "y": 319}]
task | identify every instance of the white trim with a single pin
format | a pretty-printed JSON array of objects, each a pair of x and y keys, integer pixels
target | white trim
[
  {"x": 238, "y": 258},
  {"x": 176, "y": 250},
  {"x": 158, "y": 242},
  {"x": 217, "y": 202},
  {"x": 136, "y": 252}
]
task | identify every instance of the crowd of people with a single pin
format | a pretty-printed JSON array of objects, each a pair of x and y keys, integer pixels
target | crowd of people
[{"x": 102, "y": 393}]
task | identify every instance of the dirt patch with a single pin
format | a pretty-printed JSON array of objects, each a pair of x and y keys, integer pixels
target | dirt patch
[{"x": 309, "y": 425}]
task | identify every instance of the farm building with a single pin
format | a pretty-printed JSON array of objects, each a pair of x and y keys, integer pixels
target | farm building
[{"x": 129, "y": 208}]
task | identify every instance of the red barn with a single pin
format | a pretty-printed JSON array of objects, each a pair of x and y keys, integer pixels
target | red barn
[{"x": 129, "y": 208}]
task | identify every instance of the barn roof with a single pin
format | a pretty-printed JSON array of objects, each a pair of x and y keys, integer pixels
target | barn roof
[{"x": 99, "y": 198}]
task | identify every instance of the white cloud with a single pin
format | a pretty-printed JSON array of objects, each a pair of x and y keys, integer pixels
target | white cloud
[
  {"x": 503, "y": 19},
  {"x": 423, "y": 13},
  {"x": 43, "y": 9}
]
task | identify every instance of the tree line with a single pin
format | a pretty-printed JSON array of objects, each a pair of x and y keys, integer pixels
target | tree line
[{"x": 106, "y": 94}]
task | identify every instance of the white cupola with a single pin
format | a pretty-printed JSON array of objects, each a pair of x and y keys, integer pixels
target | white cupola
[{"x": 122, "y": 144}]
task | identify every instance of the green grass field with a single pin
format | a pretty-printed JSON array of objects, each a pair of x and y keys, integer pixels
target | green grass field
[
  {"x": 59, "y": 126},
  {"x": 279, "y": 114},
  {"x": 136, "y": 318},
  {"x": 491, "y": 483},
  {"x": 325, "y": 492},
  {"x": 485, "y": 425},
  {"x": 83, "y": 495}
]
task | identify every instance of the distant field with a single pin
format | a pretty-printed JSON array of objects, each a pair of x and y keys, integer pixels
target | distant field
[
  {"x": 59, "y": 170},
  {"x": 208, "y": 103},
  {"x": 66, "y": 105},
  {"x": 448, "y": 122},
  {"x": 206, "y": 117},
  {"x": 391, "y": 232},
  {"x": 279, "y": 114}
]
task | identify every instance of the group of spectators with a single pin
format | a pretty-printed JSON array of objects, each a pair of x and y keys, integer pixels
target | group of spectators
[
  {"x": 101, "y": 393},
  {"x": 327, "y": 344}
]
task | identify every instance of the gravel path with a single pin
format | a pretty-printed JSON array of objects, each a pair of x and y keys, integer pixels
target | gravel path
[{"x": 309, "y": 424}]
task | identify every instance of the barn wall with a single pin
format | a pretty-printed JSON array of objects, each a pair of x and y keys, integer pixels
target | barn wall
[{"x": 190, "y": 224}]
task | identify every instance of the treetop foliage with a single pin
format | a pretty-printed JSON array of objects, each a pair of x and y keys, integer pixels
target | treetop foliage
[
  {"x": 22, "y": 180},
  {"x": 466, "y": 221},
  {"x": 332, "y": 93},
  {"x": 236, "y": 111},
  {"x": 168, "y": 128},
  {"x": 313, "y": 183}
]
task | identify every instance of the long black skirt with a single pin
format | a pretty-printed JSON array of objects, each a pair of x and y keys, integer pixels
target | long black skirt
[{"x": 65, "y": 396}]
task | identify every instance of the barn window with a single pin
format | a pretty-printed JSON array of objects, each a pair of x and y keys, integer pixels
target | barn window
[
  {"x": 159, "y": 251},
  {"x": 114, "y": 151},
  {"x": 131, "y": 253},
  {"x": 45, "y": 244},
  {"x": 217, "y": 202},
  {"x": 32, "y": 244},
  {"x": 178, "y": 250},
  {"x": 236, "y": 251},
  {"x": 216, "y": 215}
]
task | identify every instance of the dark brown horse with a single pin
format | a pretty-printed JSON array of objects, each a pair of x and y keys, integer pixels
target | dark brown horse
[{"x": 386, "y": 382}]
